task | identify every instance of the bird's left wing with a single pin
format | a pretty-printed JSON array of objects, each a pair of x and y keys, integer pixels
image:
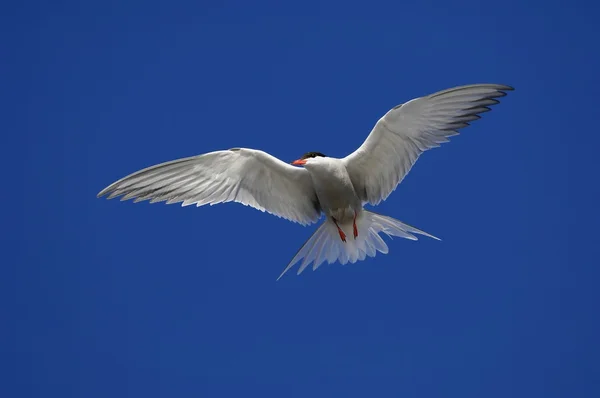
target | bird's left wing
[
  {"x": 251, "y": 177},
  {"x": 406, "y": 131}
]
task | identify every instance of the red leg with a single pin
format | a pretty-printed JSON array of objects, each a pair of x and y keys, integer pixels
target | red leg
[
  {"x": 354, "y": 227},
  {"x": 342, "y": 234}
]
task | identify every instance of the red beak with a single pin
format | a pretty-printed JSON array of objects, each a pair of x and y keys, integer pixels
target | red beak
[{"x": 299, "y": 162}]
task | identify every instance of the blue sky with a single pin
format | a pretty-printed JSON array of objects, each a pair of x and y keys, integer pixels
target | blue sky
[{"x": 110, "y": 299}]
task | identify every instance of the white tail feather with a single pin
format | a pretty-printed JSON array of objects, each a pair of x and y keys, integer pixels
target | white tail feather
[{"x": 325, "y": 244}]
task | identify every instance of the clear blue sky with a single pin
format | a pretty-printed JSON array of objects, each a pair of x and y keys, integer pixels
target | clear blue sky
[{"x": 111, "y": 299}]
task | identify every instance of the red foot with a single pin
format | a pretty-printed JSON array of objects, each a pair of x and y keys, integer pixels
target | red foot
[
  {"x": 354, "y": 227},
  {"x": 342, "y": 234}
]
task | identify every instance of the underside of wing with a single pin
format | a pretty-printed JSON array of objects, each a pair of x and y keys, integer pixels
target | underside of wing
[
  {"x": 250, "y": 177},
  {"x": 406, "y": 131}
]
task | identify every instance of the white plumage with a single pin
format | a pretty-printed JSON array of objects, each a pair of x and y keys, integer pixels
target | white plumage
[
  {"x": 248, "y": 176},
  {"x": 337, "y": 188}
]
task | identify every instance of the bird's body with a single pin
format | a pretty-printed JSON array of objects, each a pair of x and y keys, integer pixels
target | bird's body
[{"x": 335, "y": 188}]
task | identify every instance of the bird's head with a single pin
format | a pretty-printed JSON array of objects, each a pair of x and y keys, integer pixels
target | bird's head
[{"x": 307, "y": 158}]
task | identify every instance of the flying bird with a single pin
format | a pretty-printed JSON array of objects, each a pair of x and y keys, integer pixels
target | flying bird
[{"x": 317, "y": 185}]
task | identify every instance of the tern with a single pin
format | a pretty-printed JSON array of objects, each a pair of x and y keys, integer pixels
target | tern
[{"x": 317, "y": 185}]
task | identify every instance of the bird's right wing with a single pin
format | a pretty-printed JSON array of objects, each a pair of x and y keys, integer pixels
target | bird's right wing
[
  {"x": 251, "y": 177},
  {"x": 406, "y": 131}
]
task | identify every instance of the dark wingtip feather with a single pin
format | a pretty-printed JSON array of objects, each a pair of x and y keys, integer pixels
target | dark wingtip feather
[{"x": 104, "y": 192}]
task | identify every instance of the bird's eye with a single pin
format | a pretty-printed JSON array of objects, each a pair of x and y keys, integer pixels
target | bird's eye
[{"x": 312, "y": 155}]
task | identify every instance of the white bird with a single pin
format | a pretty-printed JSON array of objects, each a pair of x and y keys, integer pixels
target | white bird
[{"x": 322, "y": 185}]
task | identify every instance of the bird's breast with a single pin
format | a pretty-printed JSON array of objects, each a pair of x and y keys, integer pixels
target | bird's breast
[{"x": 335, "y": 192}]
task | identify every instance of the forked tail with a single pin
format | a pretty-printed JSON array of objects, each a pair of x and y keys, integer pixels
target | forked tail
[{"x": 325, "y": 244}]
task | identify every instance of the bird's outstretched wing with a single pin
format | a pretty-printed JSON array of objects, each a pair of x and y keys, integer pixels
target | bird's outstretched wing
[
  {"x": 406, "y": 131},
  {"x": 251, "y": 177}
]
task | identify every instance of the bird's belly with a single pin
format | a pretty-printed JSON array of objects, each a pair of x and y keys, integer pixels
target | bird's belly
[
  {"x": 339, "y": 201},
  {"x": 335, "y": 191}
]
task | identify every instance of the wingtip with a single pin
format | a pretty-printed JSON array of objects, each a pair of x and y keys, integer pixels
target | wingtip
[
  {"x": 106, "y": 191},
  {"x": 432, "y": 236},
  {"x": 504, "y": 87}
]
